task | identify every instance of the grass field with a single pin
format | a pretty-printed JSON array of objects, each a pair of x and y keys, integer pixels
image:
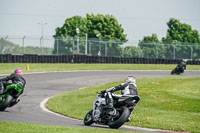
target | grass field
[
  {"x": 7, "y": 68},
  {"x": 170, "y": 103},
  {"x": 11, "y": 127}
]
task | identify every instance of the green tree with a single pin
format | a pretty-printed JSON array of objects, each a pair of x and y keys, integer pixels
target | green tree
[
  {"x": 106, "y": 26},
  {"x": 7, "y": 47},
  {"x": 180, "y": 32},
  {"x": 151, "y": 47},
  {"x": 132, "y": 51},
  {"x": 184, "y": 39},
  {"x": 66, "y": 36},
  {"x": 98, "y": 27}
]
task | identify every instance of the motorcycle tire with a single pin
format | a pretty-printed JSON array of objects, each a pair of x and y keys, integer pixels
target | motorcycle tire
[
  {"x": 88, "y": 119},
  {"x": 7, "y": 102},
  {"x": 173, "y": 71},
  {"x": 124, "y": 114}
]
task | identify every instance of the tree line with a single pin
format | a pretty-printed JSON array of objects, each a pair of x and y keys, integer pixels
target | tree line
[
  {"x": 102, "y": 33},
  {"x": 181, "y": 40},
  {"x": 8, "y": 47}
]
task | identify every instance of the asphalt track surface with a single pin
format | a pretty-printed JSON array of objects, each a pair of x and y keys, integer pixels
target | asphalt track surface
[{"x": 44, "y": 85}]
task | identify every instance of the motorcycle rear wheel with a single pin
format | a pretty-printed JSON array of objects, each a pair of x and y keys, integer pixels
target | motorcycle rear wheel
[
  {"x": 117, "y": 123},
  {"x": 6, "y": 103},
  {"x": 88, "y": 118}
]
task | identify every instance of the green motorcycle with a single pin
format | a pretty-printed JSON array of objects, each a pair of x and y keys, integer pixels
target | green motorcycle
[{"x": 10, "y": 95}]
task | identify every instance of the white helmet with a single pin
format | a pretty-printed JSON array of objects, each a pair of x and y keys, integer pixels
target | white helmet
[{"x": 130, "y": 79}]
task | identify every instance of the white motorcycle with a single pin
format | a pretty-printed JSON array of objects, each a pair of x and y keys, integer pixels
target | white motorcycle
[{"x": 113, "y": 117}]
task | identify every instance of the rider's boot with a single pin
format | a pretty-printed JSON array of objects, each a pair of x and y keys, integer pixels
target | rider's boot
[
  {"x": 109, "y": 103},
  {"x": 129, "y": 118},
  {"x": 112, "y": 110}
]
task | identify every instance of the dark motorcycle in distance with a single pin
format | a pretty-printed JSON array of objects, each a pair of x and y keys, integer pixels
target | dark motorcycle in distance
[
  {"x": 113, "y": 117},
  {"x": 177, "y": 70},
  {"x": 9, "y": 95}
]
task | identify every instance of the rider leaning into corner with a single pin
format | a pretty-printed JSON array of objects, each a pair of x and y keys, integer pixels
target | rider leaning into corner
[
  {"x": 14, "y": 78},
  {"x": 129, "y": 87},
  {"x": 182, "y": 64}
]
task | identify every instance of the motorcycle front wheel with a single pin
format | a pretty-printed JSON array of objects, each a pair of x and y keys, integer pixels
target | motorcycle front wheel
[
  {"x": 173, "y": 71},
  {"x": 6, "y": 103},
  {"x": 88, "y": 118}
]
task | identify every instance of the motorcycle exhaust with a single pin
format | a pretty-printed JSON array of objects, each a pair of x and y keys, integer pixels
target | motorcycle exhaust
[{"x": 14, "y": 102}]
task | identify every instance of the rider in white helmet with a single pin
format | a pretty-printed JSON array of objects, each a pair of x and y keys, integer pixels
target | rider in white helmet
[
  {"x": 129, "y": 87},
  {"x": 182, "y": 65}
]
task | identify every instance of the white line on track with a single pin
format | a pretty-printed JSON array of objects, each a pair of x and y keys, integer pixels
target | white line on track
[{"x": 43, "y": 107}]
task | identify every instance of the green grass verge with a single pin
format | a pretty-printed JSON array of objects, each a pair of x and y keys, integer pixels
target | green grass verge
[
  {"x": 11, "y": 127},
  {"x": 7, "y": 68},
  {"x": 171, "y": 103}
]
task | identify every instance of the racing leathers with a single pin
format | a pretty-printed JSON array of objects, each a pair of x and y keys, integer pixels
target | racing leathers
[
  {"x": 126, "y": 89},
  {"x": 15, "y": 79},
  {"x": 182, "y": 66}
]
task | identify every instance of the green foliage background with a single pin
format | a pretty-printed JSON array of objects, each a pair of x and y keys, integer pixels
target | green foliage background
[
  {"x": 104, "y": 33},
  {"x": 180, "y": 38}
]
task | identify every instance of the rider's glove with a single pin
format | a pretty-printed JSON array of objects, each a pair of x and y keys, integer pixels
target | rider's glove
[
  {"x": 103, "y": 92},
  {"x": 110, "y": 89}
]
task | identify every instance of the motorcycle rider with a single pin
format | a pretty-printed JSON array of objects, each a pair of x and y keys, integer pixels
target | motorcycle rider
[
  {"x": 182, "y": 66},
  {"x": 15, "y": 78},
  {"x": 129, "y": 87}
]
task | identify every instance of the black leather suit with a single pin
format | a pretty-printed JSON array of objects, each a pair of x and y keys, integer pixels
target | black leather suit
[
  {"x": 126, "y": 89},
  {"x": 15, "y": 79}
]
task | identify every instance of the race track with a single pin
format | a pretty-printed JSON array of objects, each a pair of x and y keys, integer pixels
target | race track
[{"x": 43, "y": 85}]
